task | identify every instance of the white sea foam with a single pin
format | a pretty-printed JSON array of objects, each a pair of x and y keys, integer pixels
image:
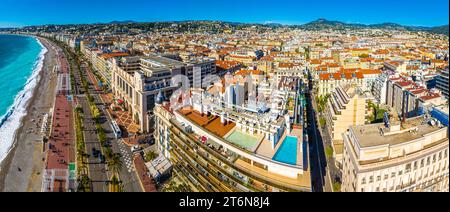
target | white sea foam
[{"x": 10, "y": 123}]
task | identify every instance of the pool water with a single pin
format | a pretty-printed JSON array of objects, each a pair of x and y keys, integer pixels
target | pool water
[
  {"x": 243, "y": 140},
  {"x": 287, "y": 153}
]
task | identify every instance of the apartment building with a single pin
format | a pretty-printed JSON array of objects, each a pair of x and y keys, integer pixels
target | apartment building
[
  {"x": 406, "y": 96},
  {"x": 327, "y": 82},
  {"x": 102, "y": 63},
  {"x": 395, "y": 66},
  {"x": 442, "y": 81},
  {"x": 346, "y": 107},
  {"x": 396, "y": 157},
  {"x": 364, "y": 78},
  {"x": 136, "y": 81},
  {"x": 379, "y": 89},
  {"x": 212, "y": 154}
]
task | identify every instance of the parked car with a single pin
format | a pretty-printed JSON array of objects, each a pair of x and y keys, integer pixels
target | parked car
[
  {"x": 102, "y": 159},
  {"x": 136, "y": 148},
  {"x": 95, "y": 152}
]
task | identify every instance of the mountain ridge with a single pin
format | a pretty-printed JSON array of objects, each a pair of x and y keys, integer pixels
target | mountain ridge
[{"x": 327, "y": 24}]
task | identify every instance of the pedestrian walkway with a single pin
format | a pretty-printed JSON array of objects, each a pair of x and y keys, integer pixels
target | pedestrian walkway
[
  {"x": 60, "y": 151},
  {"x": 123, "y": 118},
  {"x": 147, "y": 183},
  {"x": 126, "y": 156}
]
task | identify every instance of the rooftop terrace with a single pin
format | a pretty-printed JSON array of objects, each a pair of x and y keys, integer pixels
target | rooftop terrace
[{"x": 369, "y": 135}]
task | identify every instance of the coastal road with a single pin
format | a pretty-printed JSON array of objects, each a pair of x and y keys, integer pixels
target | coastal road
[{"x": 97, "y": 169}]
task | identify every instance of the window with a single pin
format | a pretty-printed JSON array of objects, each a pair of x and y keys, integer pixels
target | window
[
  {"x": 422, "y": 163},
  {"x": 400, "y": 172},
  {"x": 434, "y": 158},
  {"x": 408, "y": 168},
  {"x": 386, "y": 176},
  {"x": 392, "y": 174},
  {"x": 363, "y": 181},
  {"x": 428, "y": 161},
  {"x": 415, "y": 165},
  {"x": 371, "y": 179},
  {"x": 379, "y": 178}
]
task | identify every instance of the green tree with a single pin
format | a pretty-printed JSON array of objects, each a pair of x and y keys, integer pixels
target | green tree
[
  {"x": 108, "y": 153},
  {"x": 364, "y": 56},
  {"x": 115, "y": 163},
  {"x": 329, "y": 152},
  {"x": 377, "y": 110},
  {"x": 84, "y": 183},
  {"x": 322, "y": 122},
  {"x": 151, "y": 156},
  {"x": 337, "y": 187},
  {"x": 322, "y": 102},
  {"x": 114, "y": 185}
]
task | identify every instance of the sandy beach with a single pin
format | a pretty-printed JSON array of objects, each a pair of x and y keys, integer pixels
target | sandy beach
[{"x": 21, "y": 171}]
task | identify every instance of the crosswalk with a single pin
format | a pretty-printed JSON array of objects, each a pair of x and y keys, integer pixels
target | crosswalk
[{"x": 126, "y": 156}]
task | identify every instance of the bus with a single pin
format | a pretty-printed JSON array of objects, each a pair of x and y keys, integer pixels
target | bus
[{"x": 116, "y": 129}]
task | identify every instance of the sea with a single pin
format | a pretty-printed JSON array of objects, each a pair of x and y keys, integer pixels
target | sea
[{"x": 21, "y": 60}]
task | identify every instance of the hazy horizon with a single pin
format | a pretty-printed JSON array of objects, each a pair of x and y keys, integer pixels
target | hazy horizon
[
  {"x": 20, "y": 13},
  {"x": 187, "y": 20}
]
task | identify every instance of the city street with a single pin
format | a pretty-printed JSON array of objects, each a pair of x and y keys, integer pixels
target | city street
[
  {"x": 319, "y": 178},
  {"x": 126, "y": 174},
  {"x": 97, "y": 170}
]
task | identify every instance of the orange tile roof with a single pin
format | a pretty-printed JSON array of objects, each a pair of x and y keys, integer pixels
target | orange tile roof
[
  {"x": 247, "y": 72},
  {"x": 359, "y": 75},
  {"x": 337, "y": 76},
  {"x": 117, "y": 54},
  {"x": 241, "y": 57},
  {"x": 430, "y": 96},
  {"x": 285, "y": 65},
  {"x": 324, "y": 76},
  {"x": 348, "y": 75},
  {"x": 382, "y": 51},
  {"x": 224, "y": 64},
  {"x": 370, "y": 71},
  {"x": 266, "y": 58},
  {"x": 333, "y": 65},
  {"x": 315, "y": 61}
]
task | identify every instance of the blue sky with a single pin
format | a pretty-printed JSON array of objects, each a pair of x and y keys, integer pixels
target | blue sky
[{"x": 407, "y": 12}]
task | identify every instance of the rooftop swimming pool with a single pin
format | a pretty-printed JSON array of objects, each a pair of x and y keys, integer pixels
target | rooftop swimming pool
[
  {"x": 287, "y": 153},
  {"x": 243, "y": 140}
]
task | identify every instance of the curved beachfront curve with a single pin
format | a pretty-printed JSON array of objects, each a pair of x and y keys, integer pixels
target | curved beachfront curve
[{"x": 12, "y": 120}]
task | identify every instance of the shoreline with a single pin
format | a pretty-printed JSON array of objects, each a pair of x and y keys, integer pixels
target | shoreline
[{"x": 21, "y": 169}]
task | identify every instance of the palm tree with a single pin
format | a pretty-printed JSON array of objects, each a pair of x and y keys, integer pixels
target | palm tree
[
  {"x": 114, "y": 185},
  {"x": 84, "y": 184},
  {"x": 108, "y": 153},
  {"x": 322, "y": 101},
  {"x": 376, "y": 109},
  {"x": 115, "y": 165}
]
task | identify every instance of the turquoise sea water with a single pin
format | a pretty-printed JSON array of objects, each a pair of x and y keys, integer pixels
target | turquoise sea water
[
  {"x": 21, "y": 59},
  {"x": 18, "y": 55}
]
